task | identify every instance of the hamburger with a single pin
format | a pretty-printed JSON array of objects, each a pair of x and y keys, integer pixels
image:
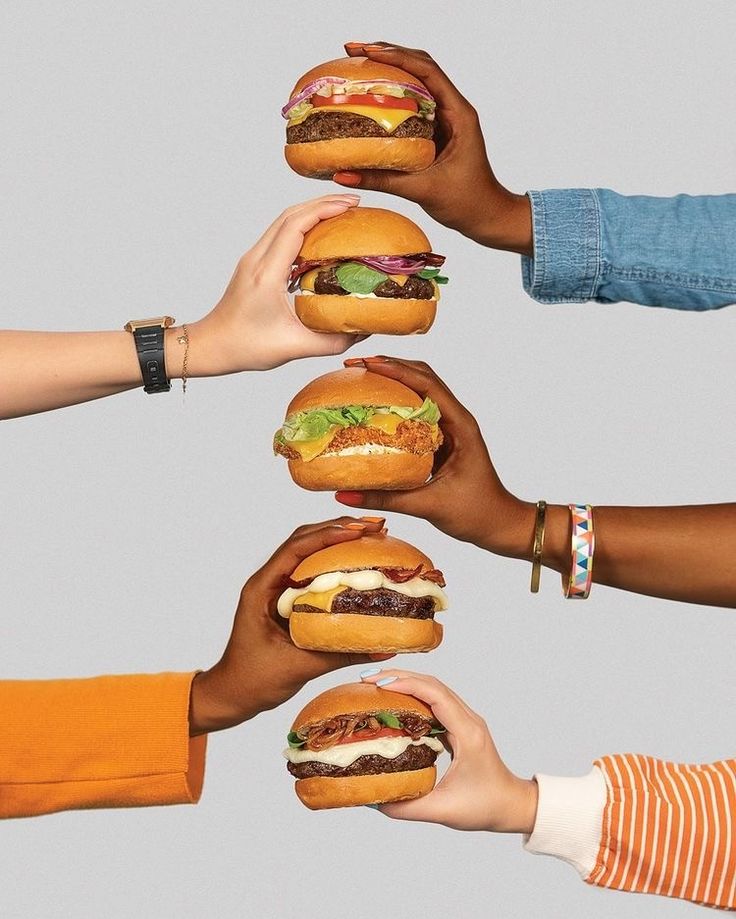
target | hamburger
[
  {"x": 354, "y": 113},
  {"x": 374, "y": 594},
  {"x": 367, "y": 271},
  {"x": 360, "y": 744},
  {"x": 357, "y": 429}
]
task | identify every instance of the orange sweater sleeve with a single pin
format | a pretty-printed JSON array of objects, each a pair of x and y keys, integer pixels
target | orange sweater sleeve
[
  {"x": 109, "y": 741},
  {"x": 669, "y": 829}
]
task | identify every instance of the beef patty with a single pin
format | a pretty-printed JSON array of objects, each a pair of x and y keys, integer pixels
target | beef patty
[
  {"x": 415, "y": 288},
  {"x": 330, "y": 125},
  {"x": 379, "y": 602},
  {"x": 414, "y": 757}
]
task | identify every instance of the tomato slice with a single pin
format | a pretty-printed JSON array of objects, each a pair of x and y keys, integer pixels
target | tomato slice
[
  {"x": 410, "y": 105},
  {"x": 369, "y": 735}
]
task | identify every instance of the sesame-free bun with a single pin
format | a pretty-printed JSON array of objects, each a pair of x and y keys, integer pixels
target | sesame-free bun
[
  {"x": 352, "y": 386},
  {"x": 364, "y": 231},
  {"x": 355, "y": 68},
  {"x": 374, "y": 550},
  {"x": 365, "y": 315},
  {"x": 355, "y": 633},
  {"x": 321, "y": 792},
  {"x": 385, "y": 471},
  {"x": 358, "y": 698},
  {"x": 323, "y": 158}
]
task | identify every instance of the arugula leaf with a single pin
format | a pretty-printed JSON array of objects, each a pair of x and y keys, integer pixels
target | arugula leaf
[
  {"x": 294, "y": 740},
  {"x": 438, "y": 730},
  {"x": 388, "y": 720},
  {"x": 359, "y": 279},
  {"x": 433, "y": 274}
]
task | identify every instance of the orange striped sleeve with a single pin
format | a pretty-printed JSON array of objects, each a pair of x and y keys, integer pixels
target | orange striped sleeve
[
  {"x": 669, "y": 829},
  {"x": 110, "y": 741}
]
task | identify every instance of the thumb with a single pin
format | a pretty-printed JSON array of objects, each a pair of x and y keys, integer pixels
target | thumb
[
  {"x": 394, "y": 183},
  {"x": 401, "y": 502},
  {"x": 422, "y": 809}
]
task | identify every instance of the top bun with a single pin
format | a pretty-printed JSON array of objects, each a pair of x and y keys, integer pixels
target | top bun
[
  {"x": 353, "y": 386},
  {"x": 352, "y": 698},
  {"x": 375, "y": 550},
  {"x": 356, "y": 68},
  {"x": 364, "y": 231}
]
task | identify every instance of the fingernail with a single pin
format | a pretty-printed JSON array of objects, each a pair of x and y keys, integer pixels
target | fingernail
[
  {"x": 353, "y": 361},
  {"x": 354, "y": 44},
  {"x": 376, "y": 359},
  {"x": 371, "y": 671},
  {"x": 351, "y": 498},
  {"x": 373, "y": 807},
  {"x": 347, "y": 178},
  {"x": 350, "y": 197},
  {"x": 384, "y": 530},
  {"x": 386, "y": 680},
  {"x": 354, "y": 526},
  {"x": 374, "y": 519}
]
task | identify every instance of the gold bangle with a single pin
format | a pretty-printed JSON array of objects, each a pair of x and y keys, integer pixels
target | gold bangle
[
  {"x": 183, "y": 339},
  {"x": 538, "y": 545}
]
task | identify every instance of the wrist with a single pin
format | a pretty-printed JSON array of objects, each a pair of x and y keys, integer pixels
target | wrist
[
  {"x": 514, "y": 536},
  {"x": 520, "y": 814},
  {"x": 509, "y": 223},
  {"x": 208, "y": 353},
  {"x": 209, "y": 709}
]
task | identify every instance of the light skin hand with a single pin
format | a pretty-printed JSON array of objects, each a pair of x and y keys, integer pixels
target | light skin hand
[
  {"x": 459, "y": 189},
  {"x": 260, "y": 667},
  {"x": 478, "y": 791}
]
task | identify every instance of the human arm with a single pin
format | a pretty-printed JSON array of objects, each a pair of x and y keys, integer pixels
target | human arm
[
  {"x": 660, "y": 551},
  {"x": 252, "y": 327},
  {"x": 634, "y": 823},
  {"x": 139, "y": 740},
  {"x": 578, "y": 244}
]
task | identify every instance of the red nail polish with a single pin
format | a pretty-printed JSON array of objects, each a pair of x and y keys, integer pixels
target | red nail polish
[{"x": 351, "y": 498}]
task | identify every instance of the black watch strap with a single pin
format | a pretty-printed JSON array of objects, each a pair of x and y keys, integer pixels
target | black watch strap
[{"x": 149, "y": 343}]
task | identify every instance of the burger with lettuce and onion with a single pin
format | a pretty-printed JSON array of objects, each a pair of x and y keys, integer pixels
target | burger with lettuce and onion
[
  {"x": 367, "y": 271},
  {"x": 360, "y": 744},
  {"x": 353, "y": 429},
  {"x": 354, "y": 113},
  {"x": 376, "y": 594}
]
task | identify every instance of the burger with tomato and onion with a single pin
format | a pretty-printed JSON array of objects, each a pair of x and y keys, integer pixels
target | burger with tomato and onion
[
  {"x": 354, "y": 113},
  {"x": 353, "y": 429},
  {"x": 367, "y": 271},
  {"x": 360, "y": 744},
  {"x": 376, "y": 594}
]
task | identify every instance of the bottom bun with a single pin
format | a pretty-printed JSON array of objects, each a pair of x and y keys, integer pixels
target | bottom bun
[
  {"x": 320, "y": 792},
  {"x": 365, "y": 315},
  {"x": 387, "y": 471},
  {"x": 321, "y": 159},
  {"x": 359, "y": 633}
]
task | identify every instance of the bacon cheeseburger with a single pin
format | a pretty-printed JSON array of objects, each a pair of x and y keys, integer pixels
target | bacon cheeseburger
[
  {"x": 359, "y": 744},
  {"x": 354, "y": 113},
  {"x": 367, "y": 271},
  {"x": 373, "y": 594},
  {"x": 357, "y": 429}
]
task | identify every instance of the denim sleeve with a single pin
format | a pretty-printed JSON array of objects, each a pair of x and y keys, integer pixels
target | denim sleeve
[{"x": 594, "y": 244}]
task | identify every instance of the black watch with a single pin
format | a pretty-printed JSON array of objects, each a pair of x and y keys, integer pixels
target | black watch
[{"x": 149, "y": 343}]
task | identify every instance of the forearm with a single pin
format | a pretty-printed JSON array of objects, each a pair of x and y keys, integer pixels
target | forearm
[{"x": 678, "y": 553}]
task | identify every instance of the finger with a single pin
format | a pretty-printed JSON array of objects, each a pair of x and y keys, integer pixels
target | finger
[
  {"x": 265, "y": 240},
  {"x": 428, "y": 809},
  {"x": 454, "y": 714},
  {"x": 306, "y": 542},
  {"x": 286, "y": 236},
  {"x": 416, "y": 502},
  {"x": 409, "y": 185},
  {"x": 319, "y": 344}
]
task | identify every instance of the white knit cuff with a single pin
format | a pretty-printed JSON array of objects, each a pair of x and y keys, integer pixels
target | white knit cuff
[{"x": 569, "y": 819}]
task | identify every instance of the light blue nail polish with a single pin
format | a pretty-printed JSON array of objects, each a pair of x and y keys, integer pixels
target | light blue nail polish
[
  {"x": 371, "y": 671},
  {"x": 386, "y": 680},
  {"x": 372, "y": 806}
]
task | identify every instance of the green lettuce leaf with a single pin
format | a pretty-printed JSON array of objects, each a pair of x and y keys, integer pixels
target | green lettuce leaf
[
  {"x": 359, "y": 279},
  {"x": 428, "y": 412},
  {"x": 315, "y": 424},
  {"x": 433, "y": 274},
  {"x": 437, "y": 730},
  {"x": 294, "y": 740},
  {"x": 388, "y": 720}
]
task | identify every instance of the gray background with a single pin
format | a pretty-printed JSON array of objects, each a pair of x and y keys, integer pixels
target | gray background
[{"x": 141, "y": 155}]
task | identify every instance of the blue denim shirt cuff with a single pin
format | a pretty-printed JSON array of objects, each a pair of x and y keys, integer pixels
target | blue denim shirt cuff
[{"x": 566, "y": 264}]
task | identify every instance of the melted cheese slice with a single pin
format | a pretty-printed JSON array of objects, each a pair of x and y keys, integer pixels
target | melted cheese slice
[
  {"x": 309, "y": 449},
  {"x": 322, "y": 599},
  {"x": 388, "y": 118},
  {"x": 386, "y": 423},
  {"x": 306, "y": 281},
  {"x": 365, "y": 579},
  {"x": 345, "y": 754}
]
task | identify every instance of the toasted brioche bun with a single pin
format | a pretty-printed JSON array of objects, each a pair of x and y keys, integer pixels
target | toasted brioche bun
[
  {"x": 386, "y": 471},
  {"x": 374, "y": 550},
  {"x": 365, "y": 315},
  {"x": 321, "y": 159},
  {"x": 354, "y": 698},
  {"x": 355, "y": 68},
  {"x": 364, "y": 231},
  {"x": 355, "y": 633},
  {"x": 352, "y": 386},
  {"x": 320, "y": 792}
]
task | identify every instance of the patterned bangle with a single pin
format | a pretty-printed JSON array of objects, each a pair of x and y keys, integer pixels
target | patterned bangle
[
  {"x": 583, "y": 546},
  {"x": 538, "y": 545}
]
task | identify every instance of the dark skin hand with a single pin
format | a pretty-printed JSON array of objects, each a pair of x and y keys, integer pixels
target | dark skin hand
[
  {"x": 260, "y": 667},
  {"x": 667, "y": 552},
  {"x": 459, "y": 189}
]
